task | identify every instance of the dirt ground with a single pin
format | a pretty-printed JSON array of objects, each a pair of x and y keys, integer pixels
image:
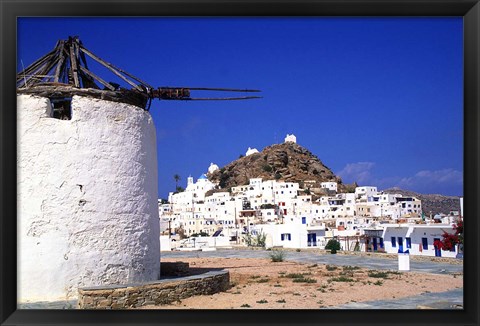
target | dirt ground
[{"x": 263, "y": 284}]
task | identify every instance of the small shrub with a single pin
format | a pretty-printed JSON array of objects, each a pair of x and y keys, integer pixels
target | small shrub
[
  {"x": 332, "y": 245},
  {"x": 263, "y": 280},
  {"x": 350, "y": 268},
  {"x": 295, "y": 275},
  {"x": 277, "y": 256},
  {"x": 267, "y": 168},
  {"x": 341, "y": 279},
  {"x": 281, "y": 301},
  {"x": 298, "y": 250},
  {"x": 331, "y": 268},
  {"x": 262, "y": 301},
  {"x": 304, "y": 280},
  {"x": 245, "y": 305},
  {"x": 277, "y": 285},
  {"x": 323, "y": 288},
  {"x": 394, "y": 272},
  {"x": 378, "y": 274},
  {"x": 378, "y": 283}
]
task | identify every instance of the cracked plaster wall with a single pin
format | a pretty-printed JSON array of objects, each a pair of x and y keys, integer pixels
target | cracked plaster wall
[{"x": 87, "y": 198}]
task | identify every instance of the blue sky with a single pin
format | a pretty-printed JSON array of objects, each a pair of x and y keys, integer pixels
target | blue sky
[{"x": 378, "y": 100}]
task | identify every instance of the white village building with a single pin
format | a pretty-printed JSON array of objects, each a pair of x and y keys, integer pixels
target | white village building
[
  {"x": 251, "y": 151},
  {"x": 291, "y": 138},
  {"x": 418, "y": 239}
]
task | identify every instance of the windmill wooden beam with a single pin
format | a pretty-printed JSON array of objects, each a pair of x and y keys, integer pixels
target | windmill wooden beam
[{"x": 66, "y": 66}]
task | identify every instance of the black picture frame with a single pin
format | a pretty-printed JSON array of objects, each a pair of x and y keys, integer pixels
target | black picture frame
[{"x": 10, "y": 10}]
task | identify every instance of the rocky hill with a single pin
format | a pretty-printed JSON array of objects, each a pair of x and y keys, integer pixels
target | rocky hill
[
  {"x": 291, "y": 162},
  {"x": 431, "y": 203},
  {"x": 288, "y": 162}
]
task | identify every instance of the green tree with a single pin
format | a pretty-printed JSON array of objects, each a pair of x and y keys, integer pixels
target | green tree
[
  {"x": 176, "y": 177},
  {"x": 257, "y": 241},
  {"x": 201, "y": 234},
  {"x": 179, "y": 189},
  {"x": 333, "y": 245}
]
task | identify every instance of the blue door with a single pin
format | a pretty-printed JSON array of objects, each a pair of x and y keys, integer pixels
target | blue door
[
  {"x": 438, "y": 251},
  {"x": 312, "y": 239},
  {"x": 375, "y": 247},
  {"x": 400, "y": 244},
  {"x": 425, "y": 243}
]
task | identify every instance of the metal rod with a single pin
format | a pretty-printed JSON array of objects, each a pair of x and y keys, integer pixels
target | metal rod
[
  {"x": 214, "y": 89},
  {"x": 210, "y": 98}
]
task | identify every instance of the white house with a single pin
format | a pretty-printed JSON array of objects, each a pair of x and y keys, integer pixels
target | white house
[
  {"x": 366, "y": 192},
  {"x": 251, "y": 151},
  {"x": 290, "y": 138},
  {"x": 410, "y": 206},
  {"x": 292, "y": 235},
  {"x": 332, "y": 186},
  {"x": 212, "y": 168},
  {"x": 418, "y": 239}
]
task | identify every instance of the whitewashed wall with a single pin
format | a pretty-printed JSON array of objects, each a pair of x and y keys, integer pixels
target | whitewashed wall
[
  {"x": 87, "y": 197},
  {"x": 416, "y": 233}
]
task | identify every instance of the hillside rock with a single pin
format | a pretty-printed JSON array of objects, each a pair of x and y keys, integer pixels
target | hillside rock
[{"x": 287, "y": 162}]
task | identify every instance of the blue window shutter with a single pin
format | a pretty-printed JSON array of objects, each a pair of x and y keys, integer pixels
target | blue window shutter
[
  {"x": 409, "y": 242},
  {"x": 394, "y": 242}
]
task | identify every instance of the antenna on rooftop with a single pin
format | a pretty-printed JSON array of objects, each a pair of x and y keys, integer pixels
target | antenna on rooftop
[{"x": 66, "y": 65}]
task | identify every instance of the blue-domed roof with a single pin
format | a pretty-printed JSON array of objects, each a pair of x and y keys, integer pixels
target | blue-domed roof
[{"x": 203, "y": 177}]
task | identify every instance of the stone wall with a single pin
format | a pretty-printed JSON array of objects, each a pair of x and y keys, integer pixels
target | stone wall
[{"x": 153, "y": 293}]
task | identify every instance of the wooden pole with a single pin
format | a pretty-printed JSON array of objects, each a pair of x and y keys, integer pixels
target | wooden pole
[
  {"x": 91, "y": 74},
  {"x": 60, "y": 63},
  {"x": 116, "y": 70},
  {"x": 73, "y": 67}
]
